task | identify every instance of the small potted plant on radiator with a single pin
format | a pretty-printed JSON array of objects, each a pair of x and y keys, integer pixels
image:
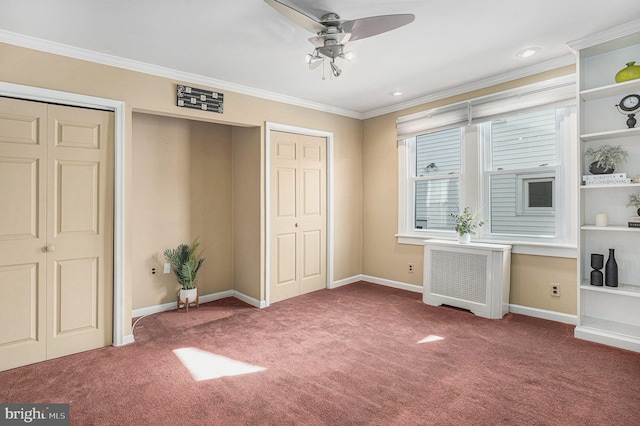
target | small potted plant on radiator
[
  {"x": 466, "y": 225},
  {"x": 186, "y": 266}
]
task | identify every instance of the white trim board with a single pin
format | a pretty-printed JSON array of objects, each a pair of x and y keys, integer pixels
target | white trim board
[
  {"x": 516, "y": 309},
  {"x": 149, "y": 310},
  {"x": 544, "y": 314}
]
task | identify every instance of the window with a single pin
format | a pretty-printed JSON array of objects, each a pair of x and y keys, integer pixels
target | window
[
  {"x": 536, "y": 194},
  {"x": 521, "y": 167},
  {"x": 503, "y": 156},
  {"x": 436, "y": 179}
]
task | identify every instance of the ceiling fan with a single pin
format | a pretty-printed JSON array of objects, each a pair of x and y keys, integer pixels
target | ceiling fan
[{"x": 333, "y": 33}]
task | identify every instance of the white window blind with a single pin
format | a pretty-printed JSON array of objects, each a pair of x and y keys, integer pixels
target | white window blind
[
  {"x": 551, "y": 93},
  {"x": 524, "y": 140}
]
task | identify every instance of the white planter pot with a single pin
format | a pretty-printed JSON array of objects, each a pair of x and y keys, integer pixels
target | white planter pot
[
  {"x": 190, "y": 294},
  {"x": 464, "y": 238}
]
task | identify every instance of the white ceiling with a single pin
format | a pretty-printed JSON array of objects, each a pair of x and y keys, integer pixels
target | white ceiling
[{"x": 246, "y": 42}]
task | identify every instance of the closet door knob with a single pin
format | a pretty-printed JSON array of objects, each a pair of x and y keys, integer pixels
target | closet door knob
[{"x": 50, "y": 248}]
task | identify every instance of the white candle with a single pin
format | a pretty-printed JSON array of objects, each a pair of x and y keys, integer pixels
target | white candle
[{"x": 602, "y": 219}]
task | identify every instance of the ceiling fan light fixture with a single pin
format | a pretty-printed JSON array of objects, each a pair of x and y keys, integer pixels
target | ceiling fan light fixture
[
  {"x": 314, "y": 60},
  {"x": 347, "y": 56},
  {"x": 332, "y": 33},
  {"x": 335, "y": 70}
]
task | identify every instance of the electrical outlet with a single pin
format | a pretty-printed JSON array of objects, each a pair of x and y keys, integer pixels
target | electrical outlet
[
  {"x": 153, "y": 271},
  {"x": 555, "y": 290},
  {"x": 410, "y": 267}
]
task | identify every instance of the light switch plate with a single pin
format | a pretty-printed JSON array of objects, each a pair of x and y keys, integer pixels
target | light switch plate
[{"x": 167, "y": 268}]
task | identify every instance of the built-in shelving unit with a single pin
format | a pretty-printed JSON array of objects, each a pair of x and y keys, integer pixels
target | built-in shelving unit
[{"x": 608, "y": 315}]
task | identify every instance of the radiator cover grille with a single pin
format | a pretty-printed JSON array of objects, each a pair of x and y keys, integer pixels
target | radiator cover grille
[
  {"x": 459, "y": 275},
  {"x": 471, "y": 276}
]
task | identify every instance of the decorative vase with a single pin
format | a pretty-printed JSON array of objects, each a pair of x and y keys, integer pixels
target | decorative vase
[
  {"x": 597, "y": 170},
  {"x": 611, "y": 271},
  {"x": 464, "y": 238},
  {"x": 631, "y": 72},
  {"x": 631, "y": 121},
  {"x": 190, "y": 294},
  {"x": 597, "y": 262}
]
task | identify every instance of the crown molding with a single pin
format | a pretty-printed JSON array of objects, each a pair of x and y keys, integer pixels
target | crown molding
[
  {"x": 142, "y": 67},
  {"x": 137, "y": 66},
  {"x": 477, "y": 85},
  {"x": 605, "y": 36}
]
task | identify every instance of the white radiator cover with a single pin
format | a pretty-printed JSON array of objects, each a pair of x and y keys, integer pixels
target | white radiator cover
[{"x": 473, "y": 276}]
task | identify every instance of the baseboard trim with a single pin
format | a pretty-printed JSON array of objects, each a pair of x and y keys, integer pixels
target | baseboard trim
[
  {"x": 127, "y": 339},
  {"x": 346, "y": 281},
  {"x": 390, "y": 283},
  {"x": 516, "y": 309},
  {"x": 597, "y": 335},
  {"x": 250, "y": 300},
  {"x": 544, "y": 314},
  {"x": 141, "y": 312}
]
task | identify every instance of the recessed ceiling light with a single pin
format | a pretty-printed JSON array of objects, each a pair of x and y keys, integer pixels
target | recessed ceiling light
[
  {"x": 397, "y": 93},
  {"x": 528, "y": 52}
]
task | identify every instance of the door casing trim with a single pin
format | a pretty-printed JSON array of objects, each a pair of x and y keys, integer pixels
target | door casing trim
[
  {"x": 38, "y": 94},
  {"x": 269, "y": 127}
]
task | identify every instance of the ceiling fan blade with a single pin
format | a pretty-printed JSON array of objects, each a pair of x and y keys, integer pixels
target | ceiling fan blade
[
  {"x": 298, "y": 17},
  {"x": 374, "y": 25}
]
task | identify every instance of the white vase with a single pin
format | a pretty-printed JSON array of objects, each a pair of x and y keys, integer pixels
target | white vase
[
  {"x": 190, "y": 294},
  {"x": 464, "y": 238}
]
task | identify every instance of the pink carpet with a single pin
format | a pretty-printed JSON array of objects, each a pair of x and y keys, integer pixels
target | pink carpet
[{"x": 349, "y": 356}]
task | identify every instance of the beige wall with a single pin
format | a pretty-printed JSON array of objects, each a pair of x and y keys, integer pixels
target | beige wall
[
  {"x": 182, "y": 194},
  {"x": 365, "y": 174},
  {"x": 384, "y": 258},
  {"x": 531, "y": 278},
  {"x": 145, "y": 93},
  {"x": 246, "y": 211}
]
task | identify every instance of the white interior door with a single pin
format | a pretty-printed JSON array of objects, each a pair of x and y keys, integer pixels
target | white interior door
[{"x": 298, "y": 215}]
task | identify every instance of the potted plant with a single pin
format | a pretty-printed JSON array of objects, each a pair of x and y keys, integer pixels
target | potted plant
[
  {"x": 634, "y": 201},
  {"x": 186, "y": 266},
  {"x": 604, "y": 159},
  {"x": 466, "y": 225}
]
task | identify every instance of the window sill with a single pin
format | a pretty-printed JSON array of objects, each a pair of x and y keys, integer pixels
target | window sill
[{"x": 518, "y": 247}]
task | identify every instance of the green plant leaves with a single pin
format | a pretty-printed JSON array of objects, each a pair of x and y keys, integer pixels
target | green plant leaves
[{"x": 185, "y": 265}]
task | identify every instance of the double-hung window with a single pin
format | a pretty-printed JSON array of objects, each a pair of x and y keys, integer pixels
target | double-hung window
[
  {"x": 503, "y": 155},
  {"x": 522, "y": 174},
  {"x": 436, "y": 161}
]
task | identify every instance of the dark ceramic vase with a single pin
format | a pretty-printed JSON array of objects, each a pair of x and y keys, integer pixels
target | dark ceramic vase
[
  {"x": 597, "y": 262},
  {"x": 611, "y": 271}
]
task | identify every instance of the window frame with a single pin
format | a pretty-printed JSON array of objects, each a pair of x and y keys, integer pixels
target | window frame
[
  {"x": 413, "y": 178},
  {"x": 565, "y": 121},
  {"x": 523, "y": 198},
  {"x": 474, "y": 187}
]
